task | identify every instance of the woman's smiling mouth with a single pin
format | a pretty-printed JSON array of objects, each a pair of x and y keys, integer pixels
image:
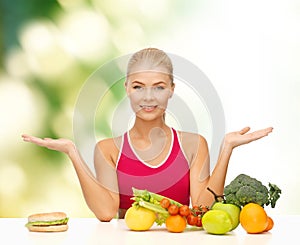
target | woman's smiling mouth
[{"x": 148, "y": 108}]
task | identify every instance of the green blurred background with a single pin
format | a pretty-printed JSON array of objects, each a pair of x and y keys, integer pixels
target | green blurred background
[{"x": 49, "y": 48}]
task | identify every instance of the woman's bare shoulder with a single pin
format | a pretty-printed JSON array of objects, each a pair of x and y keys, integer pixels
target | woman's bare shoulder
[
  {"x": 191, "y": 143},
  {"x": 110, "y": 143},
  {"x": 190, "y": 137},
  {"x": 110, "y": 147}
]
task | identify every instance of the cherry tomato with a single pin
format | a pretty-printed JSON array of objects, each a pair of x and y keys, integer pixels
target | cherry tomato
[
  {"x": 184, "y": 210},
  {"x": 173, "y": 209},
  {"x": 195, "y": 207},
  {"x": 192, "y": 219},
  {"x": 204, "y": 209},
  {"x": 165, "y": 203},
  {"x": 199, "y": 221},
  {"x": 196, "y": 210}
]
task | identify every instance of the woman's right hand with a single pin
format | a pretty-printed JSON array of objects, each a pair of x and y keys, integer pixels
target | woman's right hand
[{"x": 62, "y": 145}]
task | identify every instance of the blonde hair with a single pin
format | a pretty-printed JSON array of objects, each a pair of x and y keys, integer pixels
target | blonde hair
[{"x": 150, "y": 59}]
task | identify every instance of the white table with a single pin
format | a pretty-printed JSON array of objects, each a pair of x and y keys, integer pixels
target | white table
[{"x": 91, "y": 231}]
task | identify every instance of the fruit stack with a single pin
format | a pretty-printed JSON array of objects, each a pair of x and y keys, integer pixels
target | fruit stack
[
  {"x": 149, "y": 208},
  {"x": 242, "y": 203}
]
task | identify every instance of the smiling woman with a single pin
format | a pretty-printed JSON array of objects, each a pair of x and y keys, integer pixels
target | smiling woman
[
  {"x": 149, "y": 83},
  {"x": 150, "y": 155}
]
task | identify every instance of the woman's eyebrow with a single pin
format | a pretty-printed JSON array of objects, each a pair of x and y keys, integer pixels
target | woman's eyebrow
[
  {"x": 138, "y": 82},
  {"x": 155, "y": 84},
  {"x": 160, "y": 82}
]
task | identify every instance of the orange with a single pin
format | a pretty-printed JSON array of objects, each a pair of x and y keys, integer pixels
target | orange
[
  {"x": 176, "y": 223},
  {"x": 270, "y": 224},
  {"x": 253, "y": 218}
]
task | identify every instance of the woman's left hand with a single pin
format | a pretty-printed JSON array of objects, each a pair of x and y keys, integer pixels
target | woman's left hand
[{"x": 242, "y": 137}]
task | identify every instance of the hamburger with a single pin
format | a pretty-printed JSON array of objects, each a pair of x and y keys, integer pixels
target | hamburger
[{"x": 48, "y": 222}]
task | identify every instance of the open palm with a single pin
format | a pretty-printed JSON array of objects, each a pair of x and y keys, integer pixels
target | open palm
[
  {"x": 62, "y": 145},
  {"x": 242, "y": 137}
]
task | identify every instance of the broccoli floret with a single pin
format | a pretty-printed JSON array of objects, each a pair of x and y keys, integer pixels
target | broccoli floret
[
  {"x": 245, "y": 189},
  {"x": 230, "y": 198},
  {"x": 245, "y": 194}
]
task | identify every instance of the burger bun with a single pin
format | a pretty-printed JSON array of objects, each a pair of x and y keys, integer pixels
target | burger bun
[{"x": 47, "y": 222}]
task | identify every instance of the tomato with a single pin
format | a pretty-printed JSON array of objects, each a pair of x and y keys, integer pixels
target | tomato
[
  {"x": 199, "y": 221},
  {"x": 192, "y": 219},
  {"x": 199, "y": 210},
  {"x": 195, "y": 207},
  {"x": 204, "y": 209},
  {"x": 173, "y": 209},
  {"x": 165, "y": 203},
  {"x": 184, "y": 210},
  {"x": 196, "y": 210}
]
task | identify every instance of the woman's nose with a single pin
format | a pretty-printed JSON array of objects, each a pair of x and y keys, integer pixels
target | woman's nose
[{"x": 148, "y": 93}]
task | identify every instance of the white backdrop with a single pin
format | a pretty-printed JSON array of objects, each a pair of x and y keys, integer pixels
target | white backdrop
[{"x": 250, "y": 50}]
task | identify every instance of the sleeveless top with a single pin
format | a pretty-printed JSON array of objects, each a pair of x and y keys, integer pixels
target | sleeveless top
[{"x": 170, "y": 178}]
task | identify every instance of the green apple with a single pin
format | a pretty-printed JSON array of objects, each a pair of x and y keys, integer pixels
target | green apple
[
  {"x": 231, "y": 209},
  {"x": 216, "y": 222}
]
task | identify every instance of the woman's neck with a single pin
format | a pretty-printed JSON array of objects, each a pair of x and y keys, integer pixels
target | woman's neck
[
  {"x": 151, "y": 140},
  {"x": 142, "y": 129}
]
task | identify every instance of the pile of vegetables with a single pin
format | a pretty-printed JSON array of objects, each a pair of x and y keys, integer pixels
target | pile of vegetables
[
  {"x": 241, "y": 194},
  {"x": 245, "y": 189}
]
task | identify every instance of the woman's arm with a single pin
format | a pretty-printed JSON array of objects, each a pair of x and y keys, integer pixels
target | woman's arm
[
  {"x": 200, "y": 168},
  {"x": 104, "y": 203}
]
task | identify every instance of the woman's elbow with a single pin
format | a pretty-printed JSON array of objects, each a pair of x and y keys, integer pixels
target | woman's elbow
[
  {"x": 106, "y": 215},
  {"x": 105, "y": 218}
]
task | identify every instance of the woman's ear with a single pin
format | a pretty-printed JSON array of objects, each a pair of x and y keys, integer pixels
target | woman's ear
[
  {"x": 172, "y": 90},
  {"x": 125, "y": 85}
]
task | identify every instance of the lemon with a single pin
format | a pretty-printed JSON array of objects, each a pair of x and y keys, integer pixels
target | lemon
[{"x": 139, "y": 218}]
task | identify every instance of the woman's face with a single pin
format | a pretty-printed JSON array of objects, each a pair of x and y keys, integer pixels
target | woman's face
[{"x": 149, "y": 93}]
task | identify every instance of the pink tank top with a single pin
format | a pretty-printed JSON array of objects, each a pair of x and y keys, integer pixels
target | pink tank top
[{"x": 171, "y": 178}]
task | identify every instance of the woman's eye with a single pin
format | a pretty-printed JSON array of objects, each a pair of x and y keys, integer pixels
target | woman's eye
[
  {"x": 137, "y": 87},
  {"x": 159, "y": 88}
]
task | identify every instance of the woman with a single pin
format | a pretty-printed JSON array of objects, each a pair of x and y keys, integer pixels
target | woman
[{"x": 151, "y": 155}]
